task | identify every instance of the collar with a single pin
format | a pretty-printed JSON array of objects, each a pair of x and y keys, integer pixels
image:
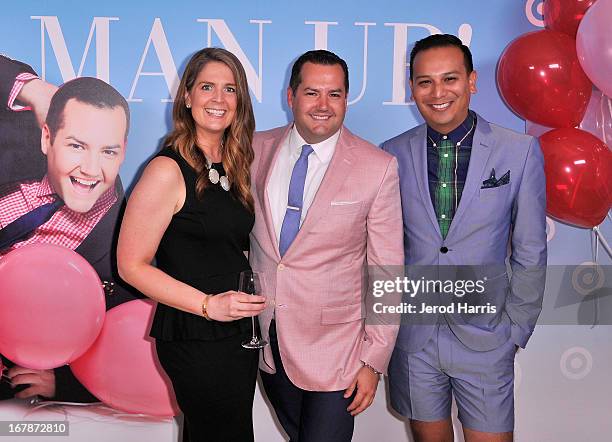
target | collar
[
  {"x": 323, "y": 150},
  {"x": 457, "y": 134},
  {"x": 44, "y": 189}
]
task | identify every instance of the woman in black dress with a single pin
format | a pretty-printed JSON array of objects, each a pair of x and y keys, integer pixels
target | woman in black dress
[{"x": 192, "y": 211}]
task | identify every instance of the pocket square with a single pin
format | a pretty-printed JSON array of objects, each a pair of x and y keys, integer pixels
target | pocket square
[{"x": 492, "y": 181}]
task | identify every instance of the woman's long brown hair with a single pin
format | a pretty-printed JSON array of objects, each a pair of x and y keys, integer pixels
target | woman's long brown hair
[{"x": 237, "y": 140}]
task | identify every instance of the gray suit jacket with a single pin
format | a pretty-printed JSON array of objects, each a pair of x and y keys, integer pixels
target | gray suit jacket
[{"x": 490, "y": 225}]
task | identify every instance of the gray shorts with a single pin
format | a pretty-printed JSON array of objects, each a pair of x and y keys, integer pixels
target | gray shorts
[{"x": 421, "y": 383}]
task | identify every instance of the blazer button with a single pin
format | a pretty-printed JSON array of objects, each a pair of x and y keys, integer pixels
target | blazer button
[{"x": 443, "y": 249}]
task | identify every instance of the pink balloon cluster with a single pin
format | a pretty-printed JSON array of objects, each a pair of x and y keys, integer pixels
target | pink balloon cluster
[
  {"x": 53, "y": 313},
  {"x": 52, "y": 306},
  {"x": 561, "y": 77},
  {"x": 121, "y": 367}
]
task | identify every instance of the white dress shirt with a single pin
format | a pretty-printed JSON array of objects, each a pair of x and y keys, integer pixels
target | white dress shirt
[{"x": 278, "y": 186}]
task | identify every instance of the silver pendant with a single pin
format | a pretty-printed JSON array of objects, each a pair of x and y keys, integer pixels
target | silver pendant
[
  {"x": 213, "y": 176},
  {"x": 225, "y": 184}
]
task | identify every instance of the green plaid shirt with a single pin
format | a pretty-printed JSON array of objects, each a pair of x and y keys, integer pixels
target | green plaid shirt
[{"x": 447, "y": 166}]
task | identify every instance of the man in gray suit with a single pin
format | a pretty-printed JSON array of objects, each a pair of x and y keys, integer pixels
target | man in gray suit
[{"x": 473, "y": 195}]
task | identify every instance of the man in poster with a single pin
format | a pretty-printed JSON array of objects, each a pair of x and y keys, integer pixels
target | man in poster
[{"x": 76, "y": 203}]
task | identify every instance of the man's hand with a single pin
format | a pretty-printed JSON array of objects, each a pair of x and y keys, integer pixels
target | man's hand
[
  {"x": 42, "y": 382},
  {"x": 37, "y": 94},
  {"x": 366, "y": 383}
]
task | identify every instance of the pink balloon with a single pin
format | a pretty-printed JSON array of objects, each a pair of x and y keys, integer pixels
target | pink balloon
[
  {"x": 598, "y": 117},
  {"x": 52, "y": 306},
  {"x": 121, "y": 367},
  {"x": 594, "y": 45}
]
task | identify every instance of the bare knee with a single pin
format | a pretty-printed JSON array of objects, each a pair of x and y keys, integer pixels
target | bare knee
[
  {"x": 437, "y": 431},
  {"x": 481, "y": 436}
]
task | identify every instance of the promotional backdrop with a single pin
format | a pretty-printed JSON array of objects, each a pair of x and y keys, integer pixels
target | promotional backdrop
[{"x": 563, "y": 387}]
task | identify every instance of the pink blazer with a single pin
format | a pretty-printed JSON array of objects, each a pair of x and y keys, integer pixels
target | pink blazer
[{"x": 317, "y": 289}]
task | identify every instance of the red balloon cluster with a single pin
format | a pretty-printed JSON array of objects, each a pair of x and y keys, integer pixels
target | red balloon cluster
[
  {"x": 578, "y": 170},
  {"x": 565, "y": 15},
  {"x": 541, "y": 76}
]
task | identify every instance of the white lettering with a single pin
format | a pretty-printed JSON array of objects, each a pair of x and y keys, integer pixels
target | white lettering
[
  {"x": 157, "y": 36},
  {"x": 100, "y": 26},
  {"x": 365, "y": 61},
  {"x": 320, "y": 32},
  {"x": 255, "y": 79},
  {"x": 400, "y": 52}
]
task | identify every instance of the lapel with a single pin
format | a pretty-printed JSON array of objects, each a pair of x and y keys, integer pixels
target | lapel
[
  {"x": 481, "y": 149},
  {"x": 269, "y": 152},
  {"x": 418, "y": 149},
  {"x": 335, "y": 175}
]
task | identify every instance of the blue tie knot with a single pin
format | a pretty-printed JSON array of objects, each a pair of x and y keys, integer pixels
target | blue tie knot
[{"x": 306, "y": 150}]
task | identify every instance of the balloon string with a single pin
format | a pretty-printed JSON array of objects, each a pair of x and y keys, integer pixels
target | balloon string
[
  {"x": 595, "y": 255},
  {"x": 594, "y": 246},
  {"x": 603, "y": 241},
  {"x": 603, "y": 123}
]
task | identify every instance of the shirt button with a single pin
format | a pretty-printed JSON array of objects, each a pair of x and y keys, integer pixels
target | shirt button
[
  {"x": 281, "y": 267},
  {"x": 443, "y": 184},
  {"x": 444, "y": 137},
  {"x": 443, "y": 249},
  {"x": 443, "y": 216},
  {"x": 445, "y": 155}
]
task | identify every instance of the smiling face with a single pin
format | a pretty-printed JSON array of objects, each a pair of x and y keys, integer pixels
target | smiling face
[
  {"x": 319, "y": 102},
  {"x": 84, "y": 157},
  {"x": 212, "y": 99},
  {"x": 441, "y": 87}
]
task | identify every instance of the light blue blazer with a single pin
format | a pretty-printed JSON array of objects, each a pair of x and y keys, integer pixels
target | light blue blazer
[{"x": 493, "y": 227}]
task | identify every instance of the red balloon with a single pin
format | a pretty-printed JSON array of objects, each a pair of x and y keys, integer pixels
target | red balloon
[
  {"x": 52, "y": 306},
  {"x": 578, "y": 176},
  {"x": 121, "y": 367},
  {"x": 540, "y": 79},
  {"x": 565, "y": 15}
]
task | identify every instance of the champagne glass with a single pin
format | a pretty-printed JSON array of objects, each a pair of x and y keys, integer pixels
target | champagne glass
[{"x": 251, "y": 283}]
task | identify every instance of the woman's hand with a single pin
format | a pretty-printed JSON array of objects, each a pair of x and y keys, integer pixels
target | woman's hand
[{"x": 232, "y": 305}]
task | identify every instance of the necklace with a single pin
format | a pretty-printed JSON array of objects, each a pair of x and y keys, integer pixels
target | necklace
[
  {"x": 214, "y": 177},
  {"x": 213, "y": 174}
]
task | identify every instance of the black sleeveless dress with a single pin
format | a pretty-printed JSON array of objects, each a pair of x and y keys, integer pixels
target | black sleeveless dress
[{"x": 212, "y": 375}]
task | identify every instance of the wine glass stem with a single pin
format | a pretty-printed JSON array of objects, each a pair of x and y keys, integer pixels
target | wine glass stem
[{"x": 253, "y": 325}]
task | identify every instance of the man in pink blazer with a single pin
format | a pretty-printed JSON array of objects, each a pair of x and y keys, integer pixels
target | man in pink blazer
[{"x": 326, "y": 207}]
